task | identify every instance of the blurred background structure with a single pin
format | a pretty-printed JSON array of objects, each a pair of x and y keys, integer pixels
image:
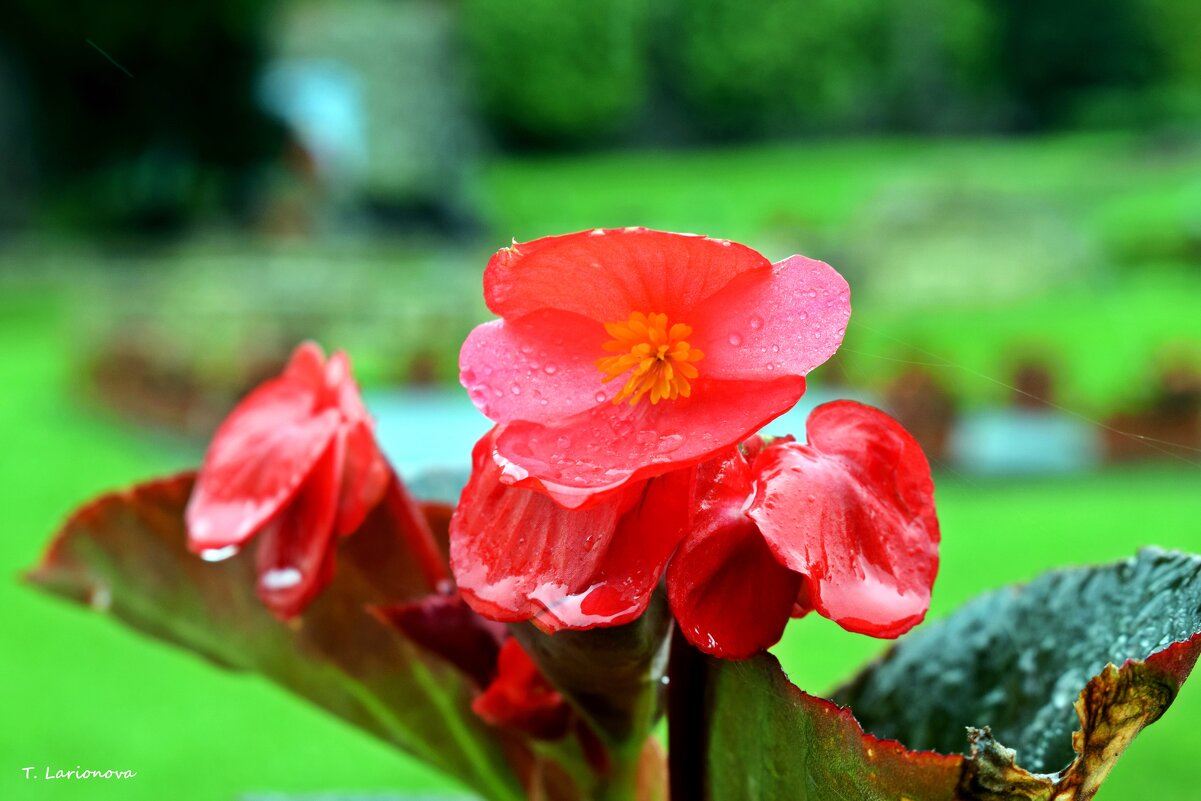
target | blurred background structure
[{"x": 1012, "y": 187}]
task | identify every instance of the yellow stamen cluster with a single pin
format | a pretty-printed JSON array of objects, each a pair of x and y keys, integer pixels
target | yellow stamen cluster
[{"x": 659, "y": 356}]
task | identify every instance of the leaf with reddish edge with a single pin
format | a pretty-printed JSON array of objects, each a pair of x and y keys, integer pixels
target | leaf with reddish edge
[
  {"x": 1015, "y": 660},
  {"x": 769, "y": 740},
  {"x": 125, "y": 554},
  {"x": 1009, "y": 662}
]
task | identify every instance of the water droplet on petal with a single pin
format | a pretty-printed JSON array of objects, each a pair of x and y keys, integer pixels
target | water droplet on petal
[
  {"x": 516, "y": 390},
  {"x": 812, "y": 293},
  {"x": 601, "y": 397},
  {"x": 756, "y": 322},
  {"x": 218, "y": 554},
  {"x": 280, "y": 578},
  {"x": 670, "y": 442},
  {"x": 775, "y": 348},
  {"x": 550, "y": 369},
  {"x": 527, "y": 348},
  {"x": 735, "y": 339}
]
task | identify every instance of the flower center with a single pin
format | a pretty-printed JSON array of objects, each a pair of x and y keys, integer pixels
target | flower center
[{"x": 657, "y": 356}]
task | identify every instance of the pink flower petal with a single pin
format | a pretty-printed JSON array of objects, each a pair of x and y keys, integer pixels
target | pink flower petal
[
  {"x": 256, "y": 462},
  {"x": 541, "y": 365},
  {"x": 294, "y": 556},
  {"x": 605, "y": 274},
  {"x": 853, "y": 511},
  {"x": 764, "y": 325},
  {"x": 729, "y": 594},
  {"x": 611, "y": 444},
  {"x": 517, "y": 555}
]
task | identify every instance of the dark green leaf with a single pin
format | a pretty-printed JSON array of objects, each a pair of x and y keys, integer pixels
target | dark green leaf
[
  {"x": 1016, "y": 660},
  {"x": 1066, "y": 670}
]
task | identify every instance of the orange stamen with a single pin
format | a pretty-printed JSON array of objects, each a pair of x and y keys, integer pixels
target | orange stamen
[{"x": 659, "y": 356}]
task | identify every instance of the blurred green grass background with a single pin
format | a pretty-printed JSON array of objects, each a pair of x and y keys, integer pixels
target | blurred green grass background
[{"x": 1102, "y": 289}]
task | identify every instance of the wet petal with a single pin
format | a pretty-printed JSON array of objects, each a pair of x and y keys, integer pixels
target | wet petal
[
  {"x": 257, "y": 460},
  {"x": 611, "y": 445},
  {"x": 763, "y": 325},
  {"x": 853, "y": 510},
  {"x": 517, "y": 555},
  {"x": 606, "y": 274},
  {"x": 543, "y": 365},
  {"x": 294, "y": 556},
  {"x": 729, "y": 594}
]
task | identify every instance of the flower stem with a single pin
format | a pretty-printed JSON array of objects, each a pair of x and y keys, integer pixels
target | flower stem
[
  {"x": 687, "y": 733},
  {"x": 416, "y": 529}
]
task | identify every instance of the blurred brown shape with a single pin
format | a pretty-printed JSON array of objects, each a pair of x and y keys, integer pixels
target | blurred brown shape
[
  {"x": 1033, "y": 385},
  {"x": 147, "y": 386},
  {"x": 1170, "y": 424},
  {"x": 920, "y": 402}
]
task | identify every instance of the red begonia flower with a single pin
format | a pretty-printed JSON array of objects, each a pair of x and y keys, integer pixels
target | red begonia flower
[
  {"x": 624, "y": 354},
  {"x": 521, "y": 698},
  {"x": 844, "y": 524},
  {"x": 295, "y": 463},
  {"x": 517, "y": 555}
]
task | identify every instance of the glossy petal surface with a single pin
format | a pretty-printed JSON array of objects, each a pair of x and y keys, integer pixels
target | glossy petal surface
[
  {"x": 543, "y": 365},
  {"x": 605, "y": 274},
  {"x": 518, "y": 555},
  {"x": 614, "y": 444},
  {"x": 764, "y": 325},
  {"x": 256, "y": 462},
  {"x": 728, "y": 592},
  {"x": 853, "y": 511}
]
